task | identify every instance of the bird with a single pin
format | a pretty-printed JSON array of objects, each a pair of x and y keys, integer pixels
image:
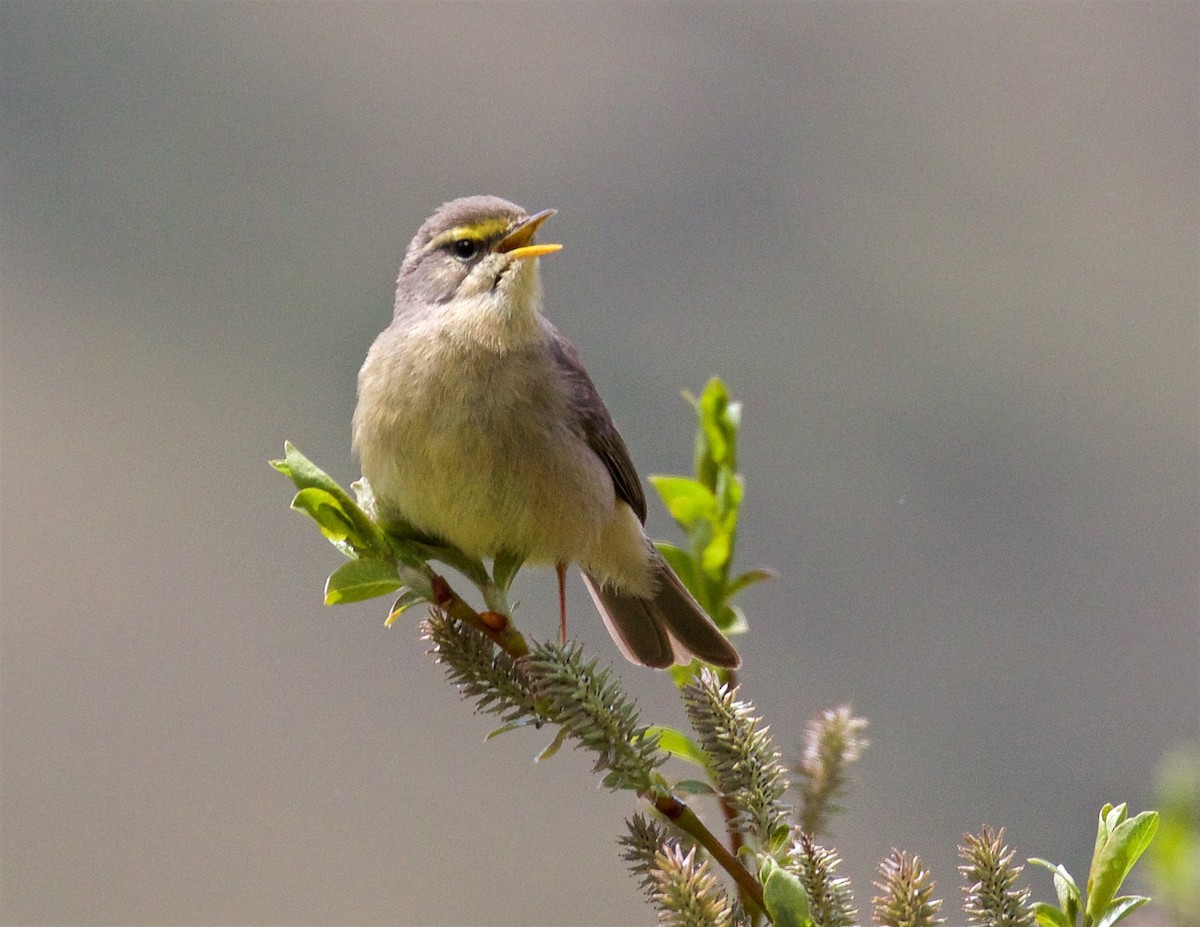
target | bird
[{"x": 477, "y": 426}]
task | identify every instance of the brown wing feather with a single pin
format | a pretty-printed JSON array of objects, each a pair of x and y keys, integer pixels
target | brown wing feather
[{"x": 596, "y": 425}]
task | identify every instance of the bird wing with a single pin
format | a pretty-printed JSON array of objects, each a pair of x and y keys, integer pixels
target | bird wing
[{"x": 596, "y": 426}]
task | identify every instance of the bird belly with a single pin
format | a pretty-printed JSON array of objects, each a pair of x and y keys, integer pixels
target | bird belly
[{"x": 485, "y": 460}]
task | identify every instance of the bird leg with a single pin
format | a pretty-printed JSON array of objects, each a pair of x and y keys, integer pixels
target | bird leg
[{"x": 561, "y": 570}]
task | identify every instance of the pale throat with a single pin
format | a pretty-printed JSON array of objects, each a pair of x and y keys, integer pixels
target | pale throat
[{"x": 502, "y": 319}]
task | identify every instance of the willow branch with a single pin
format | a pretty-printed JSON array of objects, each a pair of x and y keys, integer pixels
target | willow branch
[
  {"x": 496, "y": 625},
  {"x": 686, "y": 820}
]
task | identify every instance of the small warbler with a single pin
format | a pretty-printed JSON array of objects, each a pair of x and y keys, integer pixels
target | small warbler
[{"x": 477, "y": 425}]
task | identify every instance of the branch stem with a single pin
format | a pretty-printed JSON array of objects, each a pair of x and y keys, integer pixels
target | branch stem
[
  {"x": 683, "y": 817},
  {"x": 497, "y": 626}
]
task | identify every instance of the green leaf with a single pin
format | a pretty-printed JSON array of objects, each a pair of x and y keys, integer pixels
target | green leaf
[
  {"x": 784, "y": 896},
  {"x": 1070, "y": 899},
  {"x": 326, "y": 510},
  {"x": 678, "y": 744},
  {"x": 781, "y": 836},
  {"x": 730, "y": 492},
  {"x": 733, "y": 417},
  {"x": 470, "y": 567},
  {"x": 681, "y": 562},
  {"x": 687, "y": 501},
  {"x": 693, "y": 787},
  {"x": 1110, "y": 816},
  {"x": 717, "y": 554},
  {"x": 1121, "y": 907},
  {"x": 747, "y": 579},
  {"x": 1120, "y": 842},
  {"x": 512, "y": 726},
  {"x": 555, "y": 745},
  {"x": 1174, "y": 857},
  {"x": 366, "y": 535},
  {"x": 685, "y": 674},
  {"x": 505, "y": 567},
  {"x": 684, "y": 565},
  {"x": 731, "y": 620},
  {"x": 716, "y": 436},
  {"x": 303, "y": 472},
  {"x": 407, "y": 599},
  {"x": 1049, "y": 916},
  {"x": 409, "y": 552},
  {"x": 359, "y": 580},
  {"x": 1059, "y": 871},
  {"x": 716, "y": 541}
]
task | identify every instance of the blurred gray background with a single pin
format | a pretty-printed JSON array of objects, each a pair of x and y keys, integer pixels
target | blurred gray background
[{"x": 945, "y": 253}]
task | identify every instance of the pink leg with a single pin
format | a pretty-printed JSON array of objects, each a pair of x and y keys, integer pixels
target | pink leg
[{"x": 561, "y": 570}]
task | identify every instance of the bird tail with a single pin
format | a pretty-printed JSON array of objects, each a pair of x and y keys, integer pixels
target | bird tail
[{"x": 667, "y": 627}]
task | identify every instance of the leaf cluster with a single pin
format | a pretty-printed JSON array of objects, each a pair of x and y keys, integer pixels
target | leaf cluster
[
  {"x": 384, "y": 561},
  {"x": 706, "y": 507},
  {"x": 1120, "y": 841}
]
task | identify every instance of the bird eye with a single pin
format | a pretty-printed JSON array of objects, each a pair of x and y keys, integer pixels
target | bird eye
[{"x": 465, "y": 248}]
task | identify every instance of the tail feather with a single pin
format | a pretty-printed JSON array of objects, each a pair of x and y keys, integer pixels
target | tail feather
[
  {"x": 663, "y": 629},
  {"x": 637, "y": 631}
]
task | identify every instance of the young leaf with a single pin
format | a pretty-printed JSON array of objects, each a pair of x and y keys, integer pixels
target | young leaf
[
  {"x": 554, "y": 746},
  {"x": 749, "y": 578},
  {"x": 512, "y": 726},
  {"x": 307, "y": 475},
  {"x": 678, "y": 744},
  {"x": 1049, "y": 916},
  {"x": 693, "y": 787},
  {"x": 687, "y": 501},
  {"x": 1119, "y": 844},
  {"x": 505, "y": 567},
  {"x": 716, "y": 437},
  {"x": 467, "y": 565},
  {"x": 407, "y": 599},
  {"x": 784, "y": 896},
  {"x": 303, "y": 472},
  {"x": 1110, "y": 816},
  {"x": 730, "y": 492},
  {"x": 731, "y": 619},
  {"x": 1070, "y": 899},
  {"x": 359, "y": 580},
  {"x": 682, "y": 563},
  {"x": 717, "y": 554},
  {"x": 1119, "y": 908},
  {"x": 326, "y": 510}
]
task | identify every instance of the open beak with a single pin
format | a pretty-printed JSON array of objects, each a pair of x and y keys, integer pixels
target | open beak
[{"x": 518, "y": 244}]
